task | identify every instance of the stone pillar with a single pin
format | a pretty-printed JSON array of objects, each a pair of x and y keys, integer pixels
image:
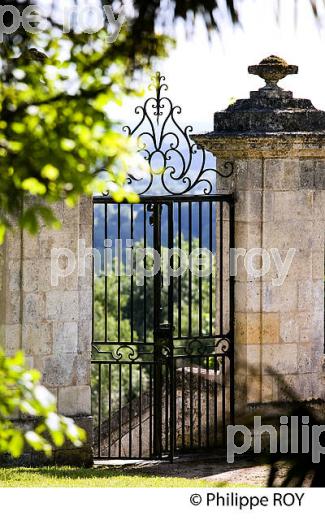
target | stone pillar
[
  {"x": 277, "y": 145},
  {"x": 51, "y": 322}
]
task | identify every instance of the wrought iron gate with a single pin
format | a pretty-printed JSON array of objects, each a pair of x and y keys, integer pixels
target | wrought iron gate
[{"x": 163, "y": 338}]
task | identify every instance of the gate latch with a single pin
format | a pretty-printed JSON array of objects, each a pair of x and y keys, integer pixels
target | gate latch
[{"x": 165, "y": 330}]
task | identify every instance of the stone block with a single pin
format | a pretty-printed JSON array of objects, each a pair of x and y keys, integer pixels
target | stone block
[
  {"x": 305, "y": 295},
  {"x": 301, "y": 387},
  {"x": 248, "y": 296},
  {"x": 248, "y": 236},
  {"x": 74, "y": 400},
  {"x": 13, "y": 244},
  {"x": 81, "y": 370},
  {"x": 285, "y": 234},
  {"x": 44, "y": 282},
  {"x": 309, "y": 359},
  {"x": 318, "y": 263},
  {"x": 270, "y": 327},
  {"x": 86, "y": 211},
  {"x": 281, "y": 174},
  {"x": 85, "y": 304},
  {"x": 320, "y": 175},
  {"x": 30, "y": 276},
  {"x": 307, "y": 173},
  {"x": 319, "y": 205},
  {"x": 37, "y": 338},
  {"x": 84, "y": 337},
  {"x": 50, "y": 239},
  {"x": 14, "y": 274},
  {"x": 249, "y": 174},
  {"x": 33, "y": 307},
  {"x": 268, "y": 392},
  {"x": 58, "y": 370},
  {"x": 273, "y": 171},
  {"x": 283, "y": 298},
  {"x": 317, "y": 238},
  {"x": 289, "y": 327},
  {"x": 12, "y": 339},
  {"x": 254, "y": 357},
  {"x": 293, "y": 205},
  {"x": 280, "y": 359},
  {"x": 30, "y": 246},
  {"x": 254, "y": 391},
  {"x": 301, "y": 266},
  {"x": 13, "y": 309},
  {"x": 256, "y": 328},
  {"x": 65, "y": 337},
  {"x": 62, "y": 306}
]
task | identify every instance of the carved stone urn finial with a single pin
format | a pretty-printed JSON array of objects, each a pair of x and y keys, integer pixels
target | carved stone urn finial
[{"x": 272, "y": 69}]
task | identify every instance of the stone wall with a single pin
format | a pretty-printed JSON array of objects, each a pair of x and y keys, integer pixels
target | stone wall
[
  {"x": 281, "y": 204},
  {"x": 276, "y": 143},
  {"x": 279, "y": 330},
  {"x": 51, "y": 324}
]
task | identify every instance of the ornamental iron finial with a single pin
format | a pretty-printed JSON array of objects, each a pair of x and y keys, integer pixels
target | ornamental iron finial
[
  {"x": 272, "y": 70},
  {"x": 177, "y": 165}
]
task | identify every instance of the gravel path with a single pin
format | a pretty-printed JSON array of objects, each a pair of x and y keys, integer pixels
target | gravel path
[{"x": 244, "y": 472}]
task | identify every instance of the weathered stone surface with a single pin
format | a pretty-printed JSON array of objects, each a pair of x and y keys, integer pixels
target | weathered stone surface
[
  {"x": 65, "y": 337},
  {"x": 62, "y": 306},
  {"x": 277, "y": 145},
  {"x": 37, "y": 338},
  {"x": 50, "y": 322},
  {"x": 257, "y": 328},
  {"x": 58, "y": 370},
  {"x": 74, "y": 400}
]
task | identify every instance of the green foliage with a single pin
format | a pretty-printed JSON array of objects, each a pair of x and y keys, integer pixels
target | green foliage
[
  {"x": 56, "y": 133},
  {"x": 22, "y": 394},
  {"x": 57, "y": 139},
  {"x": 54, "y": 144}
]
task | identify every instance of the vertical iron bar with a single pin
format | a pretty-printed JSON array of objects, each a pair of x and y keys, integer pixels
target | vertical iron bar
[
  {"x": 105, "y": 274},
  {"x": 110, "y": 408},
  {"x": 99, "y": 407},
  {"x": 215, "y": 400},
  {"x": 179, "y": 285},
  {"x": 199, "y": 401},
  {"x": 132, "y": 281},
  {"x": 130, "y": 410},
  {"x": 200, "y": 277},
  {"x": 183, "y": 408},
  {"x": 191, "y": 401},
  {"x": 207, "y": 426},
  {"x": 150, "y": 412},
  {"x": 119, "y": 273},
  {"x": 221, "y": 273},
  {"x": 212, "y": 318},
  {"x": 190, "y": 271},
  {"x": 167, "y": 411},
  {"x": 145, "y": 278},
  {"x": 170, "y": 365},
  {"x": 140, "y": 411},
  {"x": 157, "y": 341},
  {"x": 120, "y": 411},
  {"x": 223, "y": 401}
]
